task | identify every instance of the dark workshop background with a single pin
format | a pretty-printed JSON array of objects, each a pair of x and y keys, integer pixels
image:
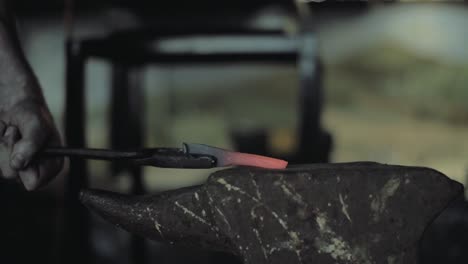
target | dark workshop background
[
  {"x": 395, "y": 86},
  {"x": 395, "y": 81}
]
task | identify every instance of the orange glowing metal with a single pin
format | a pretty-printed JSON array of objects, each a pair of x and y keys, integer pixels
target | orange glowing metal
[{"x": 230, "y": 158}]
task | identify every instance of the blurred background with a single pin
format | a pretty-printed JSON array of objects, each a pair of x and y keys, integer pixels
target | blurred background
[
  {"x": 394, "y": 82},
  {"x": 393, "y": 76}
]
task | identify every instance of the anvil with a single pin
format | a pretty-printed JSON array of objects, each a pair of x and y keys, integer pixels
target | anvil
[{"x": 324, "y": 213}]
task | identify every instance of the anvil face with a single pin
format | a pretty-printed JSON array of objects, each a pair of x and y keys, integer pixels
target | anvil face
[{"x": 330, "y": 213}]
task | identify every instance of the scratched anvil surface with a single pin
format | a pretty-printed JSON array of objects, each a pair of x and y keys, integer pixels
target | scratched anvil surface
[{"x": 330, "y": 213}]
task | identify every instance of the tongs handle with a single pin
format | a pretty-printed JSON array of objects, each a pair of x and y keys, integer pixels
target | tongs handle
[
  {"x": 156, "y": 157},
  {"x": 89, "y": 153}
]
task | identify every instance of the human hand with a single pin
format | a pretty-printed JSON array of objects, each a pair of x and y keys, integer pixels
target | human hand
[
  {"x": 26, "y": 123},
  {"x": 25, "y": 129}
]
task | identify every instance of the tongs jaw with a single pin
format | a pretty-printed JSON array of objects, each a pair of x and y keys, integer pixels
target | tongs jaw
[
  {"x": 226, "y": 158},
  {"x": 174, "y": 158}
]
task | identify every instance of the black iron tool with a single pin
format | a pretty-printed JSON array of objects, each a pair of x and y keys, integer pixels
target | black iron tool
[{"x": 191, "y": 156}]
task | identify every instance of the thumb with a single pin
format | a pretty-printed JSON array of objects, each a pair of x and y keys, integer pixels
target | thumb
[{"x": 32, "y": 139}]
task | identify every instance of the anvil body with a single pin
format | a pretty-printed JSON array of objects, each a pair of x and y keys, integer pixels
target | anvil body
[{"x": 325, "y": 213}]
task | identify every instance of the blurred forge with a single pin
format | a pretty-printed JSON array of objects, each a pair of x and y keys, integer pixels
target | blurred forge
[{"x": 394, "y": 78}]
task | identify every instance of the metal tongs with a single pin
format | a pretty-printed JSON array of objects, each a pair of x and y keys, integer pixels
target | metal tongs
[{"x": 191, "y": 156}]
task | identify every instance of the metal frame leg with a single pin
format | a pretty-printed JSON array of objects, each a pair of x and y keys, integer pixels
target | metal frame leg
[
  {"x": 127, "y": 131},
  {"x": 314, "y": 143},
  {"x": 75, "y": 242}
]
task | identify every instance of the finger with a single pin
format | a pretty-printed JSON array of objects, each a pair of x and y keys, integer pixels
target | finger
[
  {"x": 30, "y": 177},
  {"x": 42, "y": 170},
  {"x": 33, "y": 136},
  {"x": 10, "y": 137},
  {"x": 2, "y": 128},
  {"x": 8, "y": 172},
  {"x": 4, "y": 150},
  {"x": 47, "y": 170}
]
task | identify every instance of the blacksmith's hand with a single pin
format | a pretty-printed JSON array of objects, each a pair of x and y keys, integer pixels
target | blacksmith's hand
[
  {"x": 27, "y": 127},
  {"x": 26, "y": 123}
]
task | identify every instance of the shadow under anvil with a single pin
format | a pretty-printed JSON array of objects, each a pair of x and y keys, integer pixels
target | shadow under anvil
[{"x": 325, "y": 213}]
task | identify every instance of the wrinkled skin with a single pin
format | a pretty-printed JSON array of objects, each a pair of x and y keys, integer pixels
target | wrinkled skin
[{"x": 26, "y": 125}]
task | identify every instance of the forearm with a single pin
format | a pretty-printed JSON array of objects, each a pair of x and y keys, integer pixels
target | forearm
[
  {"x": 27, "y": 122},
  {"x": 17, "y": 81}
]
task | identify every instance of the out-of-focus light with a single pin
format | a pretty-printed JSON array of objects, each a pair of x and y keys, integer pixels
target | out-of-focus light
[{"x": 313, "y": 1}]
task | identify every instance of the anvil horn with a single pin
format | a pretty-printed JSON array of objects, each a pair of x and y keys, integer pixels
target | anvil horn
[{"x": 177, "y": 217}]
